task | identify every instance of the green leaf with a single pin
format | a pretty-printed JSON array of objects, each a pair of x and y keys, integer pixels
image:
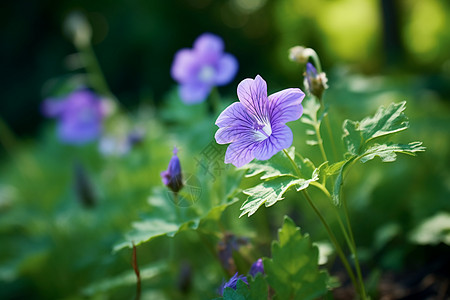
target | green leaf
[
  {"x": 433, "y": 230},
  {"x": 387, "y": 153},
  {"x": 293, "y": 271},
  {"x": 386, "y": 121},
  {"x": 339, "y": 181},
  {"x": 270, "y": 191},
  {"x": 168, "y": 219},
  {"x": 126, "y": 279},
  {"x": 278, "y": 165},
  {"x": 255, "y": 290}
]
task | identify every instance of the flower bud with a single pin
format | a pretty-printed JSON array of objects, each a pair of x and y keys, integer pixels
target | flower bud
[
  {"x": 256, "y": 268},
  {"x": 300, "y": 54},
  {"x": 78, "y": 29},
  {"x": 172, "y": 176},
  {"x": 315, "y": 83},
  {"x": 296, "y": 54},
  {"x": 232, "y": 283}
]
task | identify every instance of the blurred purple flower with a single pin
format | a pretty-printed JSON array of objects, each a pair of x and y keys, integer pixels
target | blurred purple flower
[
  {"x": 232, "y": 282},
  {"x": 256, "y": 268},
  {"x": 79, "y": 115},
  {"x": 172, "y": 177},
  {"x": 255, "y": 126},
  {"x": 199, "y": 69}
]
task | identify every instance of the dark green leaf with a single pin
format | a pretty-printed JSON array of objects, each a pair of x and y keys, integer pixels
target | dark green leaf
[{"x": 293, "y": 271}]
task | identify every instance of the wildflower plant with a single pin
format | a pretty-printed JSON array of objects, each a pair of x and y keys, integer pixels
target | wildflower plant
[
  {"x": 182, "y": 230},
  {"x": 281, "y": 168}
]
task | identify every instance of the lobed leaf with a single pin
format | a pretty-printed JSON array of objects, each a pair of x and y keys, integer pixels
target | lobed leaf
[
  {"x": 270, "y": 191},
  {"x": 293, "y": 272},
  {"x": 385, "y": 121},
  {"x": 278, "y": 165},
  {"x": 387, "y": 153}
]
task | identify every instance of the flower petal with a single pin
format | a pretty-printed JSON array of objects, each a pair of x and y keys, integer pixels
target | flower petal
[
  {"x": 281, "y": 138},
  {"x": 192, "y": 93},
  {"x": 227, "y": 67},
  {"x": 236, "y": 112},
  {"x": 253, "y": 95},
  {"x": 185, "y": 65},
  {"x": 285, "y": 106},
  {"x": 53, "y": 108},
  {"x": 209, "y": 47},
  {"x": 240, "y": 153}
]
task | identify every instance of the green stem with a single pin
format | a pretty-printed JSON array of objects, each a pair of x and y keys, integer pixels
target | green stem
[
  {"x": 95, "y": 74},
  {"x": 333, "y": 240},
  {"x": 320, "y": 142},
  {"x": 330, "y": 135},
  {"x": 214, "y": 101},
  {"x": 325, "y": 224},
  {"x": 297, "y": 169},
  {"x": 352, "y": 246}
]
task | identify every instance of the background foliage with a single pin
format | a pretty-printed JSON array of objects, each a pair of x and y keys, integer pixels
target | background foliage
[{"x": 374, "y": 52}]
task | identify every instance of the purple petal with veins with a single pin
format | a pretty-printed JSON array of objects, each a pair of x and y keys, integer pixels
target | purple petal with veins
[{"x": 255, "y": 126}]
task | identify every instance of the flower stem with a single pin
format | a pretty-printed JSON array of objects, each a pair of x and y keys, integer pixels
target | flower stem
[
  {"x": 330, "y": 135},
  {"x": 333, "y": 240},
  {"x": 352, "y": 246},
  {"x": 325, "y": 224},
  {"x": 95, "y": 74},
  {"x": 214, "y": 101},
  {"x": 320, "y": 142}
]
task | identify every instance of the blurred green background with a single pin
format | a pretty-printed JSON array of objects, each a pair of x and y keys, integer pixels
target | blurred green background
[
  {"x": 374, "y": 53},
  {"x": 135, "y": 42}
]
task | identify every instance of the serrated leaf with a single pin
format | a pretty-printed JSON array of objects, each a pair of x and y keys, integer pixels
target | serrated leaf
[
  {"x": 278, "y": 165},
  {"x": 293, "y": 271},
  {"x": 255, "y": 290},
  {"x": 385, "y": 121},
  {"x": 387, "y": 153},
  {"x": 271, "y": 191},
  {"x": 267, "y": 192}
]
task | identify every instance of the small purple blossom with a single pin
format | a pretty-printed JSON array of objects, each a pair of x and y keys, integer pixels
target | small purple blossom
[
  {"x": 257, "y": 267},
  {"x": 203, "y": 67},
  {"x": 255, "y": 126},
  {"x": 79, "y": 115},
  {"x": 315, "y": 83},
  {"x": 172, "y": 177},
  {"x": 232, "y": 282}
]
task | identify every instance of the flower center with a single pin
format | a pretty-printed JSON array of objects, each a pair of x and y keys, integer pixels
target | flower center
[
  {"x": 207, "y": 74},
  {"x": 262, "y": 130}
]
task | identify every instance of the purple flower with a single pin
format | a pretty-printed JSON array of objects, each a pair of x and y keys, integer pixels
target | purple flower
[
  {"x": 79, "y": 115},
  {"x": 199, "y": 69},
  {"x": 172, "y": 176},
  {"x": 255, "y": 126},
  {"x": 256, "y": 268},
  {"x": 315, "y": 83},
  {"x": 232, "y": 282}
]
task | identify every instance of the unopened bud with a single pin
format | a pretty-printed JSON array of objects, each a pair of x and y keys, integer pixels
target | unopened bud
[
  {"x": 78, "y": 29},
  {"x": 172, "y": 177},
  {"x": 300, "y": 54},
  {"x": 315, "y": 83}
]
